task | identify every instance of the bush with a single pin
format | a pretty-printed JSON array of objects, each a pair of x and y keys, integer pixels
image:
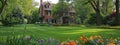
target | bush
[
  {"x": 92, "y": 19},
  {"x": 15, "y": 17},
  {"x": 105, "y": 20},
  {"x": 35, "y": 16},
  {"x": 110, "y": 20},
  {"x": 78, "y": 20}
]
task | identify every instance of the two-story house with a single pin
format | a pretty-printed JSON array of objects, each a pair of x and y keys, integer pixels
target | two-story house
[{"x": 46, "y": 14}]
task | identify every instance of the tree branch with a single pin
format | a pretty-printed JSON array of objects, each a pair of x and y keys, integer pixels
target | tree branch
[
  {"x": 93, "y": 5},
  {"x": 4, "y": 3}
]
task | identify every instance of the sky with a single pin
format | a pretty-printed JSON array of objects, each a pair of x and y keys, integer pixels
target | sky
[{"x": 53, "y": 1}]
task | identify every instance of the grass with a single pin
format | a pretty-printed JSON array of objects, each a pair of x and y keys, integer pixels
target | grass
[{"x": 59, "y": 32}]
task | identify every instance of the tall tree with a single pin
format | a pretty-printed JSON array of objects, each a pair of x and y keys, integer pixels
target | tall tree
[
  {"x": 107, "y": 7},
  {"x": 117, "y": 12},
  {"x": 60, "y": 8},
  {"x": 10, "y": 5},
  {"x": 96, "y": 6},
  {"x": 82, "y": 10},
  {"x": 26, "y": 6}
]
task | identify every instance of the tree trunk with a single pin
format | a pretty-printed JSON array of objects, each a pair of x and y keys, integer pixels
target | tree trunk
[
  {"x": 96, "y": 7},
  {"x": 98, "y": 13},
  {"x": 117, "y": 13}
]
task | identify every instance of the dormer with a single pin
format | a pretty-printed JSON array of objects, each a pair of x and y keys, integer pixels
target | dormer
[{"x": 47, "y": 5}]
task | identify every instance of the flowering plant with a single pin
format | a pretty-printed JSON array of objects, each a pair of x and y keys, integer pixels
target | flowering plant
[{"x": 82, "y": 40}]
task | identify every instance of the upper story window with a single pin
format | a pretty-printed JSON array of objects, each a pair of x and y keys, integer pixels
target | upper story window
[{"x": 46, "y": 6}]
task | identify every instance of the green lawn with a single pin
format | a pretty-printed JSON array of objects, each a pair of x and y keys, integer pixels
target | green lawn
[{"x": 59, "y": 32}]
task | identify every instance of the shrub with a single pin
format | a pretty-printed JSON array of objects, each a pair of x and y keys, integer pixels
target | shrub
[
  {"x": 92, "y": 19},
  {"x": 35, "y": 16},
  {"x": 15, "y": 17}
]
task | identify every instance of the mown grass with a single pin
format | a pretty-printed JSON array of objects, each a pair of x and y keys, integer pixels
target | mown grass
[{"x": 58, "y": 32}]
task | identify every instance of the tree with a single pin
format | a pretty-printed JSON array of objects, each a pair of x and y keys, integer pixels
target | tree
[
  {"x": 96, "y": 6},
  {"x": 60, "y": 8},
  {"x": 117, "y": 17},
  {"x": 25, "y": 6},
  {"x": 11, "y": 4},
  {"x": 35, "y": 16},
  {"x": 82, "y": 10},
  {"x": 107, "y": 7},
  {"x": 16, "y": 17}
]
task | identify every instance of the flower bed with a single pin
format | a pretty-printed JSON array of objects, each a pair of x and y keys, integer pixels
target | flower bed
[{"x": 82, "y": 40}]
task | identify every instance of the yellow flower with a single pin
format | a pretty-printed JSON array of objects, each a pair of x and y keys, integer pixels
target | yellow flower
[
  {"x": 91, "y": 38},
  {"x": 99, "y": 37},
  {"x": 63, "y": 43},
  {"x": 83, "y": 38}
]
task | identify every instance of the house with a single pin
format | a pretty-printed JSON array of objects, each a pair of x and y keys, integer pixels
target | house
[
  {"x": 45, "y": 11},
  {"x": 68, "y": 17}
]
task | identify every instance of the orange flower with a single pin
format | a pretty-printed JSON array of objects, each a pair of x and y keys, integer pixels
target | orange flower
[
  {"x": 110, "y": 44},
  {"x": 67, "y": 43},
  {"x": 72, "y": 43},
  {"x": 83, "y": 38},
  {"x": 94, "y": 37}
]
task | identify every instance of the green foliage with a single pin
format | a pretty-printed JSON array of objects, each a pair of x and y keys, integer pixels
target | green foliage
[
  {"x": 92, "y": 19},
  {"x": 60, "y": 8},
  {"x": 21, "y": 40},
  {"x": 35, "y": 16},
  {"x": 78, "y": 20},
  {"x": 82, "y": 10},
  {"x": 16, "y": 41},
  {"x": 26, "y": 6},
  {"x": 112, "y": 21},
  {"x": 16, "y": 17},
  {"x": 107, "y": 7}
]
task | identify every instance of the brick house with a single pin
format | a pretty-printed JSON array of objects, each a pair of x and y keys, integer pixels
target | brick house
[{"x": 46, "y": 13}]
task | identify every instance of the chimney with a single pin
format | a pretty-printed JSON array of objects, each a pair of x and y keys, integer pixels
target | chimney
[
  {"x": 41, "y": 8},
  {"x": 41, "y": 1}
]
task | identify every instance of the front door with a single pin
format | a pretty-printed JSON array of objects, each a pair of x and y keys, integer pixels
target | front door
[{"x": 65, "y": 20}]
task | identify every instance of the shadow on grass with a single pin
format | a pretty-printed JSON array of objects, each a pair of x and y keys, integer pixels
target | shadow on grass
[
  {"x": 105, "y": 27},
  {"x": 109, "y": 28}
]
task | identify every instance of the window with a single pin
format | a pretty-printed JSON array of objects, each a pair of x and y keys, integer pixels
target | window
[{"x": 46, "y": 6}]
